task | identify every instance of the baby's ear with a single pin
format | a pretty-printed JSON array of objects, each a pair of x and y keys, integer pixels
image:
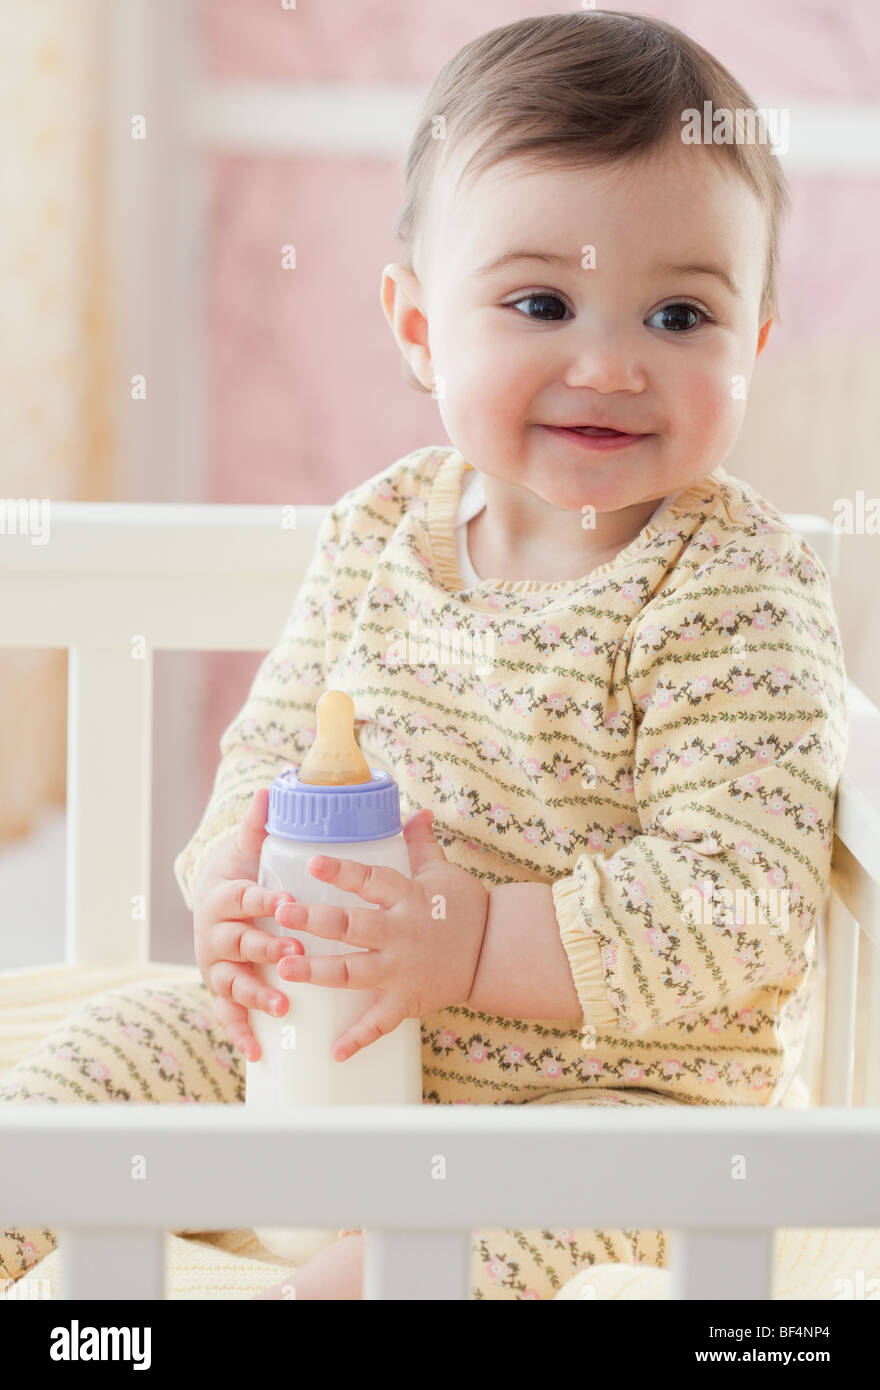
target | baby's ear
[
  {"x": 400, "y": 297},
  {"x": 762, "y": 337},
  {"x": 410, "y": 377}
]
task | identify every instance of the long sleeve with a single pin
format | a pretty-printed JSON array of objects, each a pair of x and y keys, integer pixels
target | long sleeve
[
  {"x": 276, "y": 725},
  {"x": 736, "y": 689}
]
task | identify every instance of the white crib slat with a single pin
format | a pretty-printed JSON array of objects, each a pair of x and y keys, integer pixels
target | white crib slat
[
  {"x": 417, "y": 1264},
  {"x": 713, "y": 1264},
  {"x": 109, "y": 738},
  {"x": 107, "y": 1263},
  {"x": 838, "y": 1057},
  {"x": 871, "y": 1052}
]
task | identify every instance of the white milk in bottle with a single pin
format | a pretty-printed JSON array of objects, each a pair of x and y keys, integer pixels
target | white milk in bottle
[{"x": 335, "y": 804}]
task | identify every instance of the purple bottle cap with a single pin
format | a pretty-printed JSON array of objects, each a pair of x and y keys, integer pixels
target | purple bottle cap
[{"x": 352, "y": 811}]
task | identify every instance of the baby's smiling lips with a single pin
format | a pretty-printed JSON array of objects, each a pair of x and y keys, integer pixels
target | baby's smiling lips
[
  {"x": 594, "y": 429},
  {"x": 597, "y": 437}
]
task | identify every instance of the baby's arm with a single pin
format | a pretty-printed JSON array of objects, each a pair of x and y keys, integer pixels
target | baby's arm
[{"x": 524, "y": 971}]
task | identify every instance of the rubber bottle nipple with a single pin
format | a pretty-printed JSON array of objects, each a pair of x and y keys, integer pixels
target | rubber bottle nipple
[{"x": 334, "y": 758}]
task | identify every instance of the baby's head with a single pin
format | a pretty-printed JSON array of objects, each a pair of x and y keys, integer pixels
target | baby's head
[{"x": 562, "y": 135}]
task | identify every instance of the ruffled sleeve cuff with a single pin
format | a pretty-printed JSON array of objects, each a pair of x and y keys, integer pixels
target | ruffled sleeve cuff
[{"x": 584, "y": 957}]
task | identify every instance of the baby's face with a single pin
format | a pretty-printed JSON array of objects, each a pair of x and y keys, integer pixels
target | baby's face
[{"x": 534, "y": 343}]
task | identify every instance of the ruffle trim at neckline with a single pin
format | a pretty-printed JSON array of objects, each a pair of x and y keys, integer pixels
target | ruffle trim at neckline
[{"x": 444, "y": 493}]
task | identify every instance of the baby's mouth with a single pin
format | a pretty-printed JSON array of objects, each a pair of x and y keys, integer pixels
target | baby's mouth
[
  {"x": 590, "y": 427},
  {"x": 598, "y": 437},
  {"x": 594, "y": 429},
  {"x": 597, "y": 431}
]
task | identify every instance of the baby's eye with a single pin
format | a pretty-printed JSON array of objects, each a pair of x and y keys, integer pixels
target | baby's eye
[
  {"x": 539, "y": 299},
  {"x": 678, "y": 316}
]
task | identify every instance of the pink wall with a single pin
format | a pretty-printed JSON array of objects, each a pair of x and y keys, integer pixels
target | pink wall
[{"x": 811, "y": 51}]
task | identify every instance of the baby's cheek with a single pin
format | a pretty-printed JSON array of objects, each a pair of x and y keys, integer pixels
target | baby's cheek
[{"x": 716, "y": 404}]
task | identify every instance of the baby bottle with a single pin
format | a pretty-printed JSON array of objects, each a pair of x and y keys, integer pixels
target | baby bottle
[{"x": 334, "y": 803}]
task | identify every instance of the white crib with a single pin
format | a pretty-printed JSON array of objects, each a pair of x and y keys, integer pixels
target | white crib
[{"x": 116, "y": 582}]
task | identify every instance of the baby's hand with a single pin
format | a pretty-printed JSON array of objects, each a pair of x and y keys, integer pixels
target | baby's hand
[
  {"x": 227, "y": 900},
  {"x": 423, "y": 944}
]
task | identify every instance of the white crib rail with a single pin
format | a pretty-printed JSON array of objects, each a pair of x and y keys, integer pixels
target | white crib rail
[
  {"x": 116, "y": 582},
  {"x": 112, "y": 1178}
]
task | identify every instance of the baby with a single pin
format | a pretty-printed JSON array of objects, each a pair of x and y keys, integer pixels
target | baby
[{"x": 633, "y": 791}]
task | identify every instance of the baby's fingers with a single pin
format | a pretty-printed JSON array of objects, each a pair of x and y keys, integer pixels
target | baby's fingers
[
  {"x": 382, "y": 1018},
  {"x": 230, "y": 980},
  {"x": 242, "y": 900},
  {"x": 236, "y": 941},
  {"x": 233, "y": 1019}
]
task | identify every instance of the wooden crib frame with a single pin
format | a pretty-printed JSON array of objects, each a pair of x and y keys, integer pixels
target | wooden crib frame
[{"x": 115, "y": 582}]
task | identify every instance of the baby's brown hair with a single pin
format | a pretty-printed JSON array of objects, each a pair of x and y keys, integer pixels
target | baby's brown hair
[{"x": 589, "y": 88}]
